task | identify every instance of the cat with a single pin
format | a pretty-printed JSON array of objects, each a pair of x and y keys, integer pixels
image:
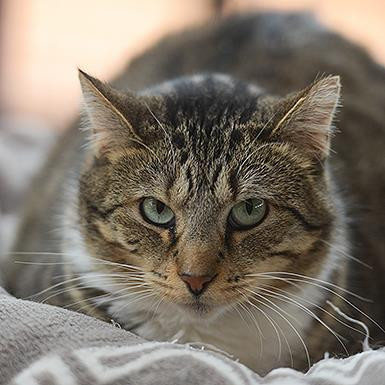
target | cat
[{"x": 215, "y": 202}]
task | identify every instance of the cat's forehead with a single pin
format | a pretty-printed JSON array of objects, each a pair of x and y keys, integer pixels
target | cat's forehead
[
  {"x": 206, "y": 101},
  {"x": 206, "y": 112}
]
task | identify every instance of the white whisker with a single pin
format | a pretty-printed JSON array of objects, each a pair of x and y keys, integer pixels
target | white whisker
[
  {"x": 272, "y": 323},
  {"x": 53, "y": 254},
  {"x": 143, "y": 296},
  {"x": 307, "y": 311},
  {"x": 255, "y": 324},
  {"x": 108, "y": 277},
  {"x": 345, "y": 254},
  {"x": 309, "y": 281},
  {"x": 285, "y": 292},
  {"x": 106, "y": 295},
  {"x": 279, "y": 311},
  {"x": 272, "y": 274},
  {"x": 275, "y": 326}
]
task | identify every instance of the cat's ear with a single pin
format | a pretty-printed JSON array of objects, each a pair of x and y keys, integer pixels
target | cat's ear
[
  {"x": 111, "y": 114},
  {"x": 306, "y": 117}
]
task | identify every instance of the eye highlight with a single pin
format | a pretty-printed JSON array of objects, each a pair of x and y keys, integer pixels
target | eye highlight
[
  {"x": 156, "y": 212},
  {"x": 247, "y": 214}
]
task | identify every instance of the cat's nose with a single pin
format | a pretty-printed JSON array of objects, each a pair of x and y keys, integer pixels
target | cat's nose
[{"x": 197, "y": 284}]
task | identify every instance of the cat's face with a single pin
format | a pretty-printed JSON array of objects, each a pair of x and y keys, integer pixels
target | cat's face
[{"x": 207, "y": 186}]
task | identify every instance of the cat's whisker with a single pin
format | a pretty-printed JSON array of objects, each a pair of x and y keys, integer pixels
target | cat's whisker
[
  {"x": 156, "y": 305},
  {"x": 309, "y": 281},
  {"x": 45, "y": 263},
  {"x": 252, "y": 316},
  {"x": 291, "y": 316},
  {"x": 289, "y": 300},
  {"x": 126, "y": 267},
  {"x": 52, "y": 287},
  {"x": 269, "y": 319},
  {"x": 235, "y": 307},
  {"x": 129, "y": 303},
  {"x": 320, "y": 281},
  {"x": 81, "y": 286},
  {"x": 345, "y": 254},
  {"x": 346, "y": 301},
  {"x": 280, "y": 313},
  {"x": 273, "y": 322},
  {"x": 88, "y": 299},
  {"x": 138, "y": 274},
  {"x": 254, "y": 323},
  {"x": 53, "y": 253},
  {"x": 132, "y": 293},
  {"x": 108, "y": 295},
  {"x": 285, "y": 292},
  {"x": 60, "y": 292},
  {"x": 79, "y": 278},
  {"x": 149, "y": 311},
  {"x": 277, "y": 328},
  {"x": 58, "y": 254},
  {"x": 127, "y": 275}
]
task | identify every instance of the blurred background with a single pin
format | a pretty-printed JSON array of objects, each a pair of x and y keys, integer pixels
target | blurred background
[{"x": 42, "y": 42}]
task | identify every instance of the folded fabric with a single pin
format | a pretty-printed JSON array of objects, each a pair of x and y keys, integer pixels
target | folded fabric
[{"x": 46, "y": 345}]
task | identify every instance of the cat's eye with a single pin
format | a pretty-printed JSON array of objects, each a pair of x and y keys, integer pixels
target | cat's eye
[
  {"x": 248, "y": 213},
  {"x": 156, "y": 212}
]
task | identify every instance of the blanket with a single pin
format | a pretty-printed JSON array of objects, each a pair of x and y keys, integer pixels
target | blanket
[{"x": 46, "y": 345}]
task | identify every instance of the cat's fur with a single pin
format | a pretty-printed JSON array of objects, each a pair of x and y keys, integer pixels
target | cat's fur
[{"x": 200, "y": 144}]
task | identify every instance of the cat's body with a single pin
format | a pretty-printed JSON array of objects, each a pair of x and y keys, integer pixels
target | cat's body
[{"x": 279, "y": 54}]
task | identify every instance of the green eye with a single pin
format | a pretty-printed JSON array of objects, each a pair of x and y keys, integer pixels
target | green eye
[
  {"x": 156, "y": 212},
  {"x": 247, "y": 213}
]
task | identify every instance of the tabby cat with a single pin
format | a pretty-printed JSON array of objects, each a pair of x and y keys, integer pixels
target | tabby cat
[{"x": 212, "y": 203}]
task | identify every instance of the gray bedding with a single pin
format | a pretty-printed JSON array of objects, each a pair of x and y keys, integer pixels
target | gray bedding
[{"x": 46, "y": 345}]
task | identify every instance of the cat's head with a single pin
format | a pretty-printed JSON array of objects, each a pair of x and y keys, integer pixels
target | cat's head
[{"x": 207, "y": 185}]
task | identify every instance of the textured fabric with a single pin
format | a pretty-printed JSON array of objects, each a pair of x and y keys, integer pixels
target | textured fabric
[{"x": 46, "y": 345}]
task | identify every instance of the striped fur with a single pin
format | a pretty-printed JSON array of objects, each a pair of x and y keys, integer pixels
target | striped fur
[{"x": 200, "y": 143}]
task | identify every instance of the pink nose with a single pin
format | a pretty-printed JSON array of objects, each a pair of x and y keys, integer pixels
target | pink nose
[{"x": 197, "y": 283}]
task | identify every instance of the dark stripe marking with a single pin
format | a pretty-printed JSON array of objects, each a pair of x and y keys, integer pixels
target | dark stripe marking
[
  {"x": 305, "y": 223},
  {"x": 285, "y": 253},
  {"x": 132, "y": 241},
  {"x": 102, "y": 213},
  {"x": 217, "y": 171},
  {"x": 189, "y": 179}
]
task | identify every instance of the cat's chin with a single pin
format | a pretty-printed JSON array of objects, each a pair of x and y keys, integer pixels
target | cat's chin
[{"x": 199, "y": 309}]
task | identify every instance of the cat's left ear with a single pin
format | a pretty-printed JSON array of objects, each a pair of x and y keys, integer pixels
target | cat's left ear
[
  {"x": 306, "y": 117},
  {"x": 112, "y": 115}
]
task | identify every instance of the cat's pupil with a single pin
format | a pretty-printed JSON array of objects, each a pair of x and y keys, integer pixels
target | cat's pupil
[
  {"x": 249, "y": 206},
  {"x": 159, "y": 207}
]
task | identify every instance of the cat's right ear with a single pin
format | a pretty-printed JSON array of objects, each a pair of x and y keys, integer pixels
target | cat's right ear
[
  {"x": 305, "y": 118},
  {"x": 110, "y": 114}
]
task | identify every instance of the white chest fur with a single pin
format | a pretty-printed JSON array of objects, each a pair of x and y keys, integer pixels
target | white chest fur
[{"x": 261, "y": 339}]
